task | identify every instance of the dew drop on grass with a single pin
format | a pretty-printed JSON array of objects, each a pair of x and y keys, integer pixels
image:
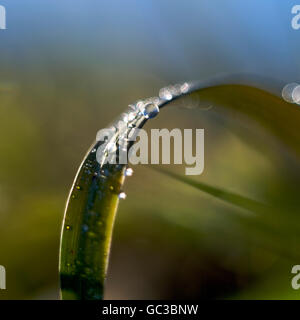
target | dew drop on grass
[
  {"x": 151, "y": 110},
  {"x": 122, "y": 195},
  {"x": 291, "y": 93},
  {"x": 128, "y": 172},
  {"x": 184, "y": 87},
  {"x": 165, "y": 94}
]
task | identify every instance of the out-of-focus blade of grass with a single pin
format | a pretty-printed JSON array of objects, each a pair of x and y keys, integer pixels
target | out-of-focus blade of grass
[
  {"x": 229, "y": 197},
  {"x": 257, "y": 223},
  {"x": 266, "y": 122}
]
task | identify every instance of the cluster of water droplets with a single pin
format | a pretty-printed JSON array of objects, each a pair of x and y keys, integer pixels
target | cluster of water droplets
[
  {"x": 174, "y": 91},
  {"x": 116, "y": 140},
  {"x": 124, "y": 129},
  {"x": 98, "y": 176},
  {"x": 122, "y": 133}
]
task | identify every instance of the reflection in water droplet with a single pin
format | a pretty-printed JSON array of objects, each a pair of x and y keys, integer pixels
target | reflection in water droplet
[
  {"x": 122, "y": 195},
  {"x": 151, "y": 110},
  {"x": 128, "y": 172}
]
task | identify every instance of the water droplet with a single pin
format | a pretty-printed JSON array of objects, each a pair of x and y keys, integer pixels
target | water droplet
[
  {"x": 153, "y": 100},
  {"x": 68, "y": 227},
  {"x": 184, "y": 87},
  {"x": 165, "y": 94},
  {"x": 128, "y": 172},
  {"x": 73, "y": 196},
  {"x": 151, "y": 110},
  {"x": 291, "y": 93},
  {"x": 122, "y": 195},
  {"x": 78, "y": 187}
]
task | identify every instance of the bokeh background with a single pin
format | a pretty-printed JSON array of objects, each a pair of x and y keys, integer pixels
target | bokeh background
[{"x": 67, "y": 69}]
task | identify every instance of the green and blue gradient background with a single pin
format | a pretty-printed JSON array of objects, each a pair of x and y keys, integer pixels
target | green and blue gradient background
[{"x": 67, "y": 68}]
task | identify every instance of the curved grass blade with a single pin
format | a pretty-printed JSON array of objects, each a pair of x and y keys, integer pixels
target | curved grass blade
[
  {"x": 261, "y": 220},
  {"x": 229, "y": 197},
  {"x": 90, "y": 213},
  {"x": 87, "y": 230},
  {"x": 93, "y": 200}
]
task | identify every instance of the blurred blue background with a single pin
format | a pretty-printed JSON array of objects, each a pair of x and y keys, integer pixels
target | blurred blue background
[{"x": 164, "y": 39}]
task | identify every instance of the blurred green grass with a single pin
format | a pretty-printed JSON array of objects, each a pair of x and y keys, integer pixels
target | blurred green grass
[{"x": 170, "y": 240}]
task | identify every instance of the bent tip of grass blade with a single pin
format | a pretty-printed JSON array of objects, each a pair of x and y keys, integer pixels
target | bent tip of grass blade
[{"x": 93, "y": 200}]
